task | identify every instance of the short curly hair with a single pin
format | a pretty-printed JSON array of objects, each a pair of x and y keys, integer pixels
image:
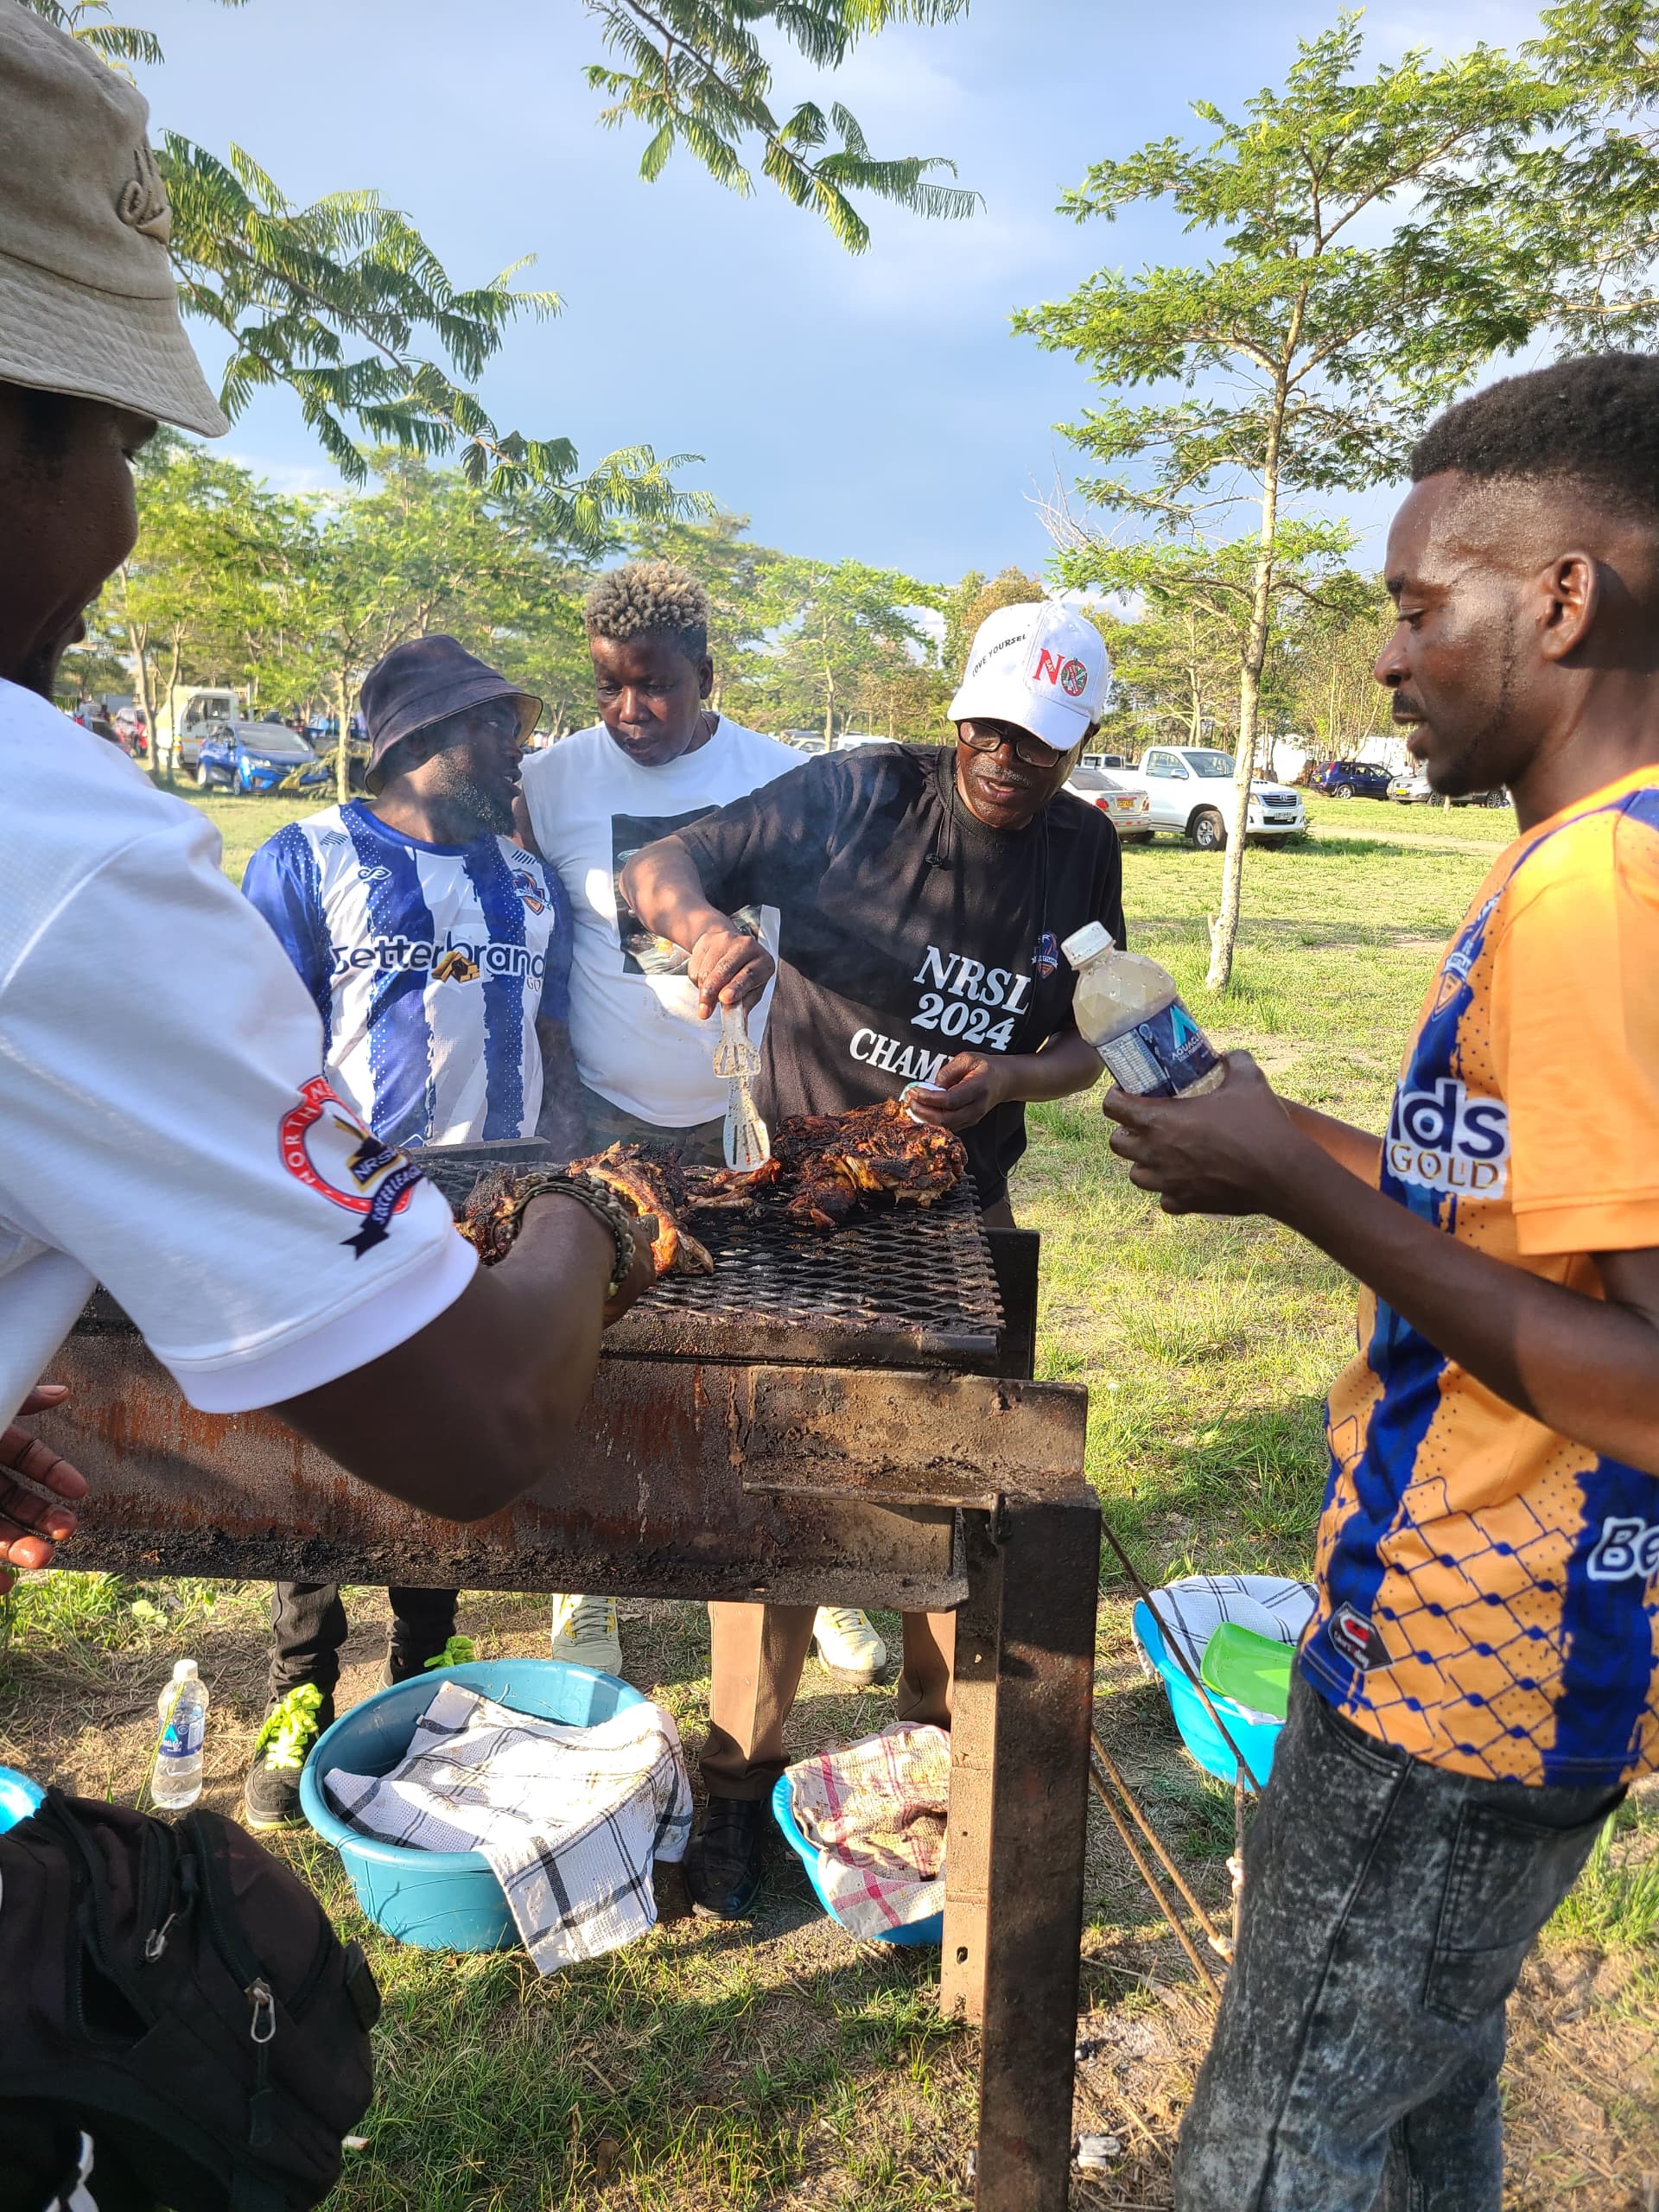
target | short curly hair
[
  {"x": 1594, "y": 420},
  {"x": 650, "y": 599}
]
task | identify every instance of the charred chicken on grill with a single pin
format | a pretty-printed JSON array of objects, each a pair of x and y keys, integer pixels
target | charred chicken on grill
[
  {"x": 654, "y": 1182},
  {"x": 827, "y": 1164},
  {"x": 836, "y": 1160}
]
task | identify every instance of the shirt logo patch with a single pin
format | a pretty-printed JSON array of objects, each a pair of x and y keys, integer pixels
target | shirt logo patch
[
  {"x": 374, "y": 875},
  {"x": 1625, "y": 1551},
  {"x": 1046, "y": 958},
  {"x": 1442, "y": 1138},
  {"x": 1357, "y": 1638},
  {"x": 529, "y": 890},
  {"x": 325, "y": 1147}
]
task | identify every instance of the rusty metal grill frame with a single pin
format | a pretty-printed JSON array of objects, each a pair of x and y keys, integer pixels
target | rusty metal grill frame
[
  {"x": 728, "y": 1452},
  {"x": 901, "y": 1285}
]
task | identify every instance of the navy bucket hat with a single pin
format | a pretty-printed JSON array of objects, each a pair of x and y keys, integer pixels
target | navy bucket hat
[{"x": 426, "y": 681}]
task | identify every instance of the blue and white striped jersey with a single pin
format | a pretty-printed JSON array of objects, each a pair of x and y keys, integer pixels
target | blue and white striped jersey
[{"x": 430, "y": 965}]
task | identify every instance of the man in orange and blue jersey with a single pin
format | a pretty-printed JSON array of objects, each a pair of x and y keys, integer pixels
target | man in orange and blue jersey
[{"x": 1480, "y": 1680}]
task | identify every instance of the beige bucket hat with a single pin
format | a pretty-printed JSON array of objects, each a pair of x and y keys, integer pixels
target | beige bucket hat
[{"x": 87, "y": 302}]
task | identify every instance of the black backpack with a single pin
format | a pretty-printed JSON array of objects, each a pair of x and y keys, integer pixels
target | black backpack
[{"x": 182, "y": 1996}]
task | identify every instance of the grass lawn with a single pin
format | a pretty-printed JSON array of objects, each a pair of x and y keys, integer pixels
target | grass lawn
[
  {"x": 1374, "y": 818},
  {"x": 244, "y": 823},
  {"x": 782, "y": 2064}
]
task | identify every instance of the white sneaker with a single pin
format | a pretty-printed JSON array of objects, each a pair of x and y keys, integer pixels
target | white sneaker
[
  {"x": 848, "y": 1645},
  {"x": 584, "y": 1633}
]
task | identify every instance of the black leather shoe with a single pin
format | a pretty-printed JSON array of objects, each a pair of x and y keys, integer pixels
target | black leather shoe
[{"x": 724, "y": 1860}]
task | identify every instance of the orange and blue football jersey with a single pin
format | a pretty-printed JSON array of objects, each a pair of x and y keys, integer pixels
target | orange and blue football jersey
[{"x": 1488, "y": 1589}]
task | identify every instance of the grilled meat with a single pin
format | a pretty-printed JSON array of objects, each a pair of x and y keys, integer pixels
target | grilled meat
[
  {"x": 836, "y": 1160},
  {"x": 653, "y": 1184},
  {"x": 726, "y": 1190},
  {"x": 828, "y": 1164}
]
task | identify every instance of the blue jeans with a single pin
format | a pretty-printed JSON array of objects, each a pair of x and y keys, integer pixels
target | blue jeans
[{"x": 1389, "y": 1907}]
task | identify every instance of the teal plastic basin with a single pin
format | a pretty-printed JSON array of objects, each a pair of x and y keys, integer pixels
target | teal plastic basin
[
  {"x": 931, "y": 1930},
  {"x": 441, "y": 1900},
  {"x": 1256, "y": 1738}
]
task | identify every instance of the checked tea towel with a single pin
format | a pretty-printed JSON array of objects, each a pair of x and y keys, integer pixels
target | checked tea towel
[
  {"x": 568, "y": 1819},
  {"x": 877, "y": 1813}
]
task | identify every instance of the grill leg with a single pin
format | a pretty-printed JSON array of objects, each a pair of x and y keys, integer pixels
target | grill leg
[
  {"x": 973, "y": 1764},
  {"x": 1034, "y": 1918}
]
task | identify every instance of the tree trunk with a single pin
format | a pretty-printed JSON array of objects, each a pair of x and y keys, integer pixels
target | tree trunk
[
  {"x": 143, "y": 685},
  {"x": 342, "y": 760},
  {"x": 829, "y": 712},
  {"x": 1223, "y": 929}
]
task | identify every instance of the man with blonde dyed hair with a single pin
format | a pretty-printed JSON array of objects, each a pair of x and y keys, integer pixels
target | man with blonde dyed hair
[{"x": 658, "y": 759}]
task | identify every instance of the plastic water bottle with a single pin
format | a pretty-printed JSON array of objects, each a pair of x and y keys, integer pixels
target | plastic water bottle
[
  {"x": 1128, "y": 1009},
  {"x": 181, "y": 1709}
]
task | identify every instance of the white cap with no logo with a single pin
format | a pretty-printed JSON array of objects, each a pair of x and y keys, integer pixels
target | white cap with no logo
[
  {"x": 87, "y": 301},
  {"x": 1041, "y": 667}
]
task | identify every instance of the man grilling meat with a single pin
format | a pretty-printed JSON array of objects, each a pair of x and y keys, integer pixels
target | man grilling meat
[{"x": 922, "y": 891}]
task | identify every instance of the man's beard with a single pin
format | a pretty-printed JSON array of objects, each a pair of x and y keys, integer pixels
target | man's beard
[{"x": 493, "y": 811}]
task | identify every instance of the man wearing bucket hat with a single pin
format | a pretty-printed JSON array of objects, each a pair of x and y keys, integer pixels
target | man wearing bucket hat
[
  {"x": 438, "y": 951},
  {"x": 168, "y": 1130},
  {"x": 923, "y": 892}
]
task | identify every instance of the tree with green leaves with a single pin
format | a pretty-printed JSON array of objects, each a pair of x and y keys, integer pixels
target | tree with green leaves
[
  {"x": 1327, "y": 656},
  {"x": 344, "y": 303},
  {"x": 1355, "y": 292},
  {"x": 1174, "y": 674},
  {"x": 832, "y": 625},
  {"x": 205, "y": 582},
  {"x": 1199, "y": 602}
]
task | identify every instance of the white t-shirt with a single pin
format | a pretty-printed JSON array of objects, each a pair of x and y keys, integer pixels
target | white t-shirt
[
  {"x": 633, "y": 1015},
  {"x": 165, "y": 1128}
]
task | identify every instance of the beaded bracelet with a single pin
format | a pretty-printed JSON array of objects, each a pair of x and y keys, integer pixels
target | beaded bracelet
[{"x": 495, "y": 1212}]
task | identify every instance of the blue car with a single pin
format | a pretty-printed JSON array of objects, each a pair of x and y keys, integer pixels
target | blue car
[
  {"x": 1349, "y": 779},
  {"x": 256, "y": 757}
]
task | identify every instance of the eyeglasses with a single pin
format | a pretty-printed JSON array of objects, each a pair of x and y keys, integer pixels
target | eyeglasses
[{"x": 991, "y": 737}]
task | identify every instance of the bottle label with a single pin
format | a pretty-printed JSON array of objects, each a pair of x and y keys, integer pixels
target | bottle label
[
  {"x": 181, "y": 1737},
  {"x": 1161, "y": 1056}
]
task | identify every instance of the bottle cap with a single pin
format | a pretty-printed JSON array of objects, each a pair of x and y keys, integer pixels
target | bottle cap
[
  {"x": 1083, "y": 944},
  {"x": 184, "y": 1670}
]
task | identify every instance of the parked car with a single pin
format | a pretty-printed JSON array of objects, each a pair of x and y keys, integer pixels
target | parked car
[
  {"x": 1104, "y": 760},
  {"x": 1187, "y": 788},
  {"x": 255, "y": 757},
  {"x": 846, "y": 739},
  {"x": 1125, "y": 808},
  {"x": 1349, "y": 778},
  {"x": 1412, "y": 788}
]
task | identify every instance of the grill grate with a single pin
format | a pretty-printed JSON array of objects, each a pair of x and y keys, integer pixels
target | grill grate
[{"x": 905, "y": 1284}]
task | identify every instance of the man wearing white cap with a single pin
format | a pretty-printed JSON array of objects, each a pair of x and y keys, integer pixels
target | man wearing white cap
[{"x": 923, "y": 892}]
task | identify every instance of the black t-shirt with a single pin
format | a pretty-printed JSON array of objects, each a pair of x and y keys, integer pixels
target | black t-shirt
[{"x": 910, "y": 932}]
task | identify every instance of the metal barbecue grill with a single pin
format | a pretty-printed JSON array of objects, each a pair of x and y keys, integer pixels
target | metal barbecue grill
[
  {"x": 832, "y": 1417},
  {"x": 896, "y": 1285}
]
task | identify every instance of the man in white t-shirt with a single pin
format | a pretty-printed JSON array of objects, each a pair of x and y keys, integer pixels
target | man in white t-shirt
[
  {"x": 168, "y": 1128},
  {"x": 658, "y": 759}
]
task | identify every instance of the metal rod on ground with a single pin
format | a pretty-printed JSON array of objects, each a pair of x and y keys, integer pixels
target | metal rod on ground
[
  {"x": 1218, "y": 1941},
  {"x": 1172, "y": 1645},
  {"x": 1199, "y": 1963}
]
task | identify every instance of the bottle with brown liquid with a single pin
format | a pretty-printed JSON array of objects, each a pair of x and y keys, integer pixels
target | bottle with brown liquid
[{"x": 1128, "y": 1009}]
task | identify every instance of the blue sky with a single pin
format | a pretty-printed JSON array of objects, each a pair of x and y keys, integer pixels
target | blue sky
[{"x": 874, "y": 407}]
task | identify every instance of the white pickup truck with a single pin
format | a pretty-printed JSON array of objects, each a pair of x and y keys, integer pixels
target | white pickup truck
[{"x": 1189, "y": 790}]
